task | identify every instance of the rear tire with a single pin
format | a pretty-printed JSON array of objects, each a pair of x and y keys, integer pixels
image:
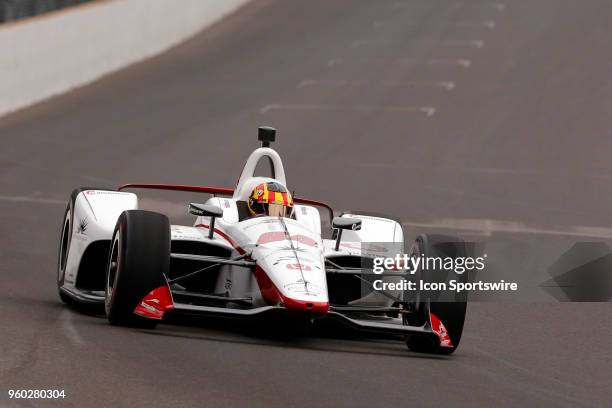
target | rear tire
[
  {"x": 449, "y": 307},
  {"x": 139, "y": 262}
]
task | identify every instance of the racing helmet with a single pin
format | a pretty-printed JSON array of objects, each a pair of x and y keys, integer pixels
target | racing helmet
[{"x": 270, "y": 198}]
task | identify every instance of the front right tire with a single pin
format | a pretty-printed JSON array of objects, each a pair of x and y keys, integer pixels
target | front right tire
[{"x": 139, "y": 262}]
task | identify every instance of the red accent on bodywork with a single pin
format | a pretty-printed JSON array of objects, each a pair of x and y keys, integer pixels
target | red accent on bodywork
[
  {"x": 299, "y": 267},
  {"x": 225, "y": 237},
  {"x": 305, "y": 305},
  {"x": 219, "y": 191},
  {"x": 303, "y": 239},
  {"x": 155, "y": 304},
  {"x": 275, "y": 236},
  {"x": 438, "y": 328},
  {"x": 273, "y": 296},
  {"x": 267, "y": 288}
]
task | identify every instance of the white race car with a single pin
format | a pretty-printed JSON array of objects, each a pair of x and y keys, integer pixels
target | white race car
[{"x": 252, "y": 251}]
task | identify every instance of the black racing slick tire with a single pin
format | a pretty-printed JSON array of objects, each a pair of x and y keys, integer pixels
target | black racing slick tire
[
  {"x": 139, "y": 262},
  {"x": 449, "y": 307}
]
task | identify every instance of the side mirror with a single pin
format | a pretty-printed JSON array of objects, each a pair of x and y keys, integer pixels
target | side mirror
[
  {"x": 345, "y": 223},
  {"x": 206, "y": 210}
]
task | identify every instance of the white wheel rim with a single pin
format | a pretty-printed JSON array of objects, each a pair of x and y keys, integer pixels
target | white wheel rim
[{"x": 113, "y": 264}]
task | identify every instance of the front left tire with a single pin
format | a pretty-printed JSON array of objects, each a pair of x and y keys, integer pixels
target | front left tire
[{"x": 448, "y": 307}]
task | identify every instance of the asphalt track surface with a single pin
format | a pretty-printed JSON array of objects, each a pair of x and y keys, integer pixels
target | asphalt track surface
[{"x": 522, "y": 137}]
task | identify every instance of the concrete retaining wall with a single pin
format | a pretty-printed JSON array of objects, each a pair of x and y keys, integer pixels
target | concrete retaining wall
[{"x": 47, "y": 55}]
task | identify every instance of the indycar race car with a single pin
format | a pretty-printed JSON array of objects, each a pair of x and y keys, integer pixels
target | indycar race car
[{"x": 252, "y": 252}]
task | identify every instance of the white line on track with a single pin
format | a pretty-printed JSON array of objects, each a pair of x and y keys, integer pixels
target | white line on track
[
  {"x": 490, "y": 24},
  {"x": 380, "y": 23},
  {"x": 404, "y": 5},
  {"x": 461, "y": 169},
  {"x": 447, "y": 85},
  {"x": 463, "y": 43},
  {"x": 35, "y": 200},
  {"x": 463, "y": 62},
  {"x": 427, "y": 110},
  {"x": 444, "y": 43},
  {"x": 488, "y": 227}
]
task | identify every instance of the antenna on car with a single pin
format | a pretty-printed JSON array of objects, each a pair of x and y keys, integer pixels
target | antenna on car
[{"x": 266, "y": 135}]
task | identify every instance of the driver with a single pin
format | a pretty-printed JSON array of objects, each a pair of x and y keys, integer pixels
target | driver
[{"x": 270, "y": 198}]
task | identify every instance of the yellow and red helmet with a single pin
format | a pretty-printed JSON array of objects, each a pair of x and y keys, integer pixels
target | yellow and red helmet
[{"x": 270, "y": 198}]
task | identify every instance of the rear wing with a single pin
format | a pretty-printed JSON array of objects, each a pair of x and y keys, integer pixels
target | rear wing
[{"x": 218, "y": 191}]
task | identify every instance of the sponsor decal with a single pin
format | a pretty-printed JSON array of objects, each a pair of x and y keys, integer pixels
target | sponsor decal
[
  {"x": 303, "y": 287},
  {"x": 180, "y": 233},
  {"x": 101, "y": 192},
  {"x": 81, "y": 228},
  {"x": 291, "y": 259},
  {"x": 155, "y": 304},
  {"x": 438, "y": 327}
]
